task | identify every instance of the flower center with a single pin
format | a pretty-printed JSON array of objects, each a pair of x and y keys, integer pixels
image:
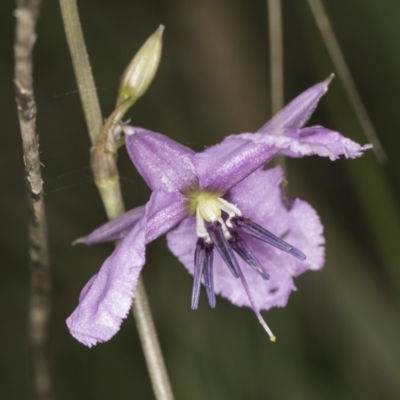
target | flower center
[{"x": 208, "y": 208}]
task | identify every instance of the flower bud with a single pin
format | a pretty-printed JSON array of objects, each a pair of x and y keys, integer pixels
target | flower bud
[{"x": 141, "y": 70}]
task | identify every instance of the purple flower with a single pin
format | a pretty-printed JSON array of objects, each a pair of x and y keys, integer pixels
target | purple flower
[{"x": 227, "y": 219}]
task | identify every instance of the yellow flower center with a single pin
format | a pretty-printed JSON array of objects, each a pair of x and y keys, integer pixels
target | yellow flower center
[
  {"x": 208, "y": 207},
  {"x": 206, "y": 204}
]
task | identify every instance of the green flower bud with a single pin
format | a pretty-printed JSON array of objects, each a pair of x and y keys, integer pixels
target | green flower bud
[{"x": 141, "y": 70}]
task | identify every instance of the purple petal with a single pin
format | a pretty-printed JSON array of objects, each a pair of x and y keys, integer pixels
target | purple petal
[
  {"x": 298, "y": 111},
  {"x": 166, "y": 211},
  {"x": 115, "y": 229},
  {"x": 222, "y": 166},
  {"x": 107, "y": 297},
  {"x": 308, "y": 141},
  {"x": 259, "y": 198},
  {"x": 163, "y": 163}
]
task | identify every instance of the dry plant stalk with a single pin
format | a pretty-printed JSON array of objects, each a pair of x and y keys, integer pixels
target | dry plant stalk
[{"x": 40, "y": 281}]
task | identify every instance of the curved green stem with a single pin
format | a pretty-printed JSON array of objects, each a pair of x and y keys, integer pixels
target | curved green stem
[{"x": 106, "y": 177}]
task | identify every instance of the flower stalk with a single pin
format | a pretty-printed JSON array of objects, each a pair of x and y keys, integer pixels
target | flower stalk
[
  {"x": 82, "y": 69},
  {"x": 103, "y": 162}
]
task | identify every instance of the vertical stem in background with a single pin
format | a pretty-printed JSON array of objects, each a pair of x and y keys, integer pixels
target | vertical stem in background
[
  {"x": 40, "y": 280},
  {"x": 111, "y": 194},
  {"x": 276, "y": 54},
  {"x": 345, "y": 76},
  {"x": 276, "y": 60}
]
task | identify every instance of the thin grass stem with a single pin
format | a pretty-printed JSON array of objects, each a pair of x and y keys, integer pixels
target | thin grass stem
[{"x": 343, "y": 71}]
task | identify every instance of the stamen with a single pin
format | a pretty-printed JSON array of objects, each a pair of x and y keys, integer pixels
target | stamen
[
  {"x": 225, "y": 230},
  {"x": 230, "y": 209},
  {"x": 201, "y": 230},
  {"x": 218, "y": 238},
  {"x": 199, "y": 256},
  {"x": 241, "y": 248},
  {"x": 208, "y": 275},
  {"x": 272, "y": 338},
  {"x": 261, "y": 233}
]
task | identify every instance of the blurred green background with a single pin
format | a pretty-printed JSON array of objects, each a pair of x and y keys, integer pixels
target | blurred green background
[{"x": 338, "y": 338}]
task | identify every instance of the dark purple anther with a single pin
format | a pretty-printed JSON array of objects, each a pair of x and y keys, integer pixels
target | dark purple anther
[
  {"x": 241, "y": 248},
  {"x": 203, "y": 268},
  {"x": 261, "y": 233},
  {"x": 208, "y": 275},
  {"x": 220, "y": 242},
  {"x": 199, "y": 256}
]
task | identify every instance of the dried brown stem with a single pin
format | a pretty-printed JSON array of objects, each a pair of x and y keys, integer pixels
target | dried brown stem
[{"x": 40, "y": 281}]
